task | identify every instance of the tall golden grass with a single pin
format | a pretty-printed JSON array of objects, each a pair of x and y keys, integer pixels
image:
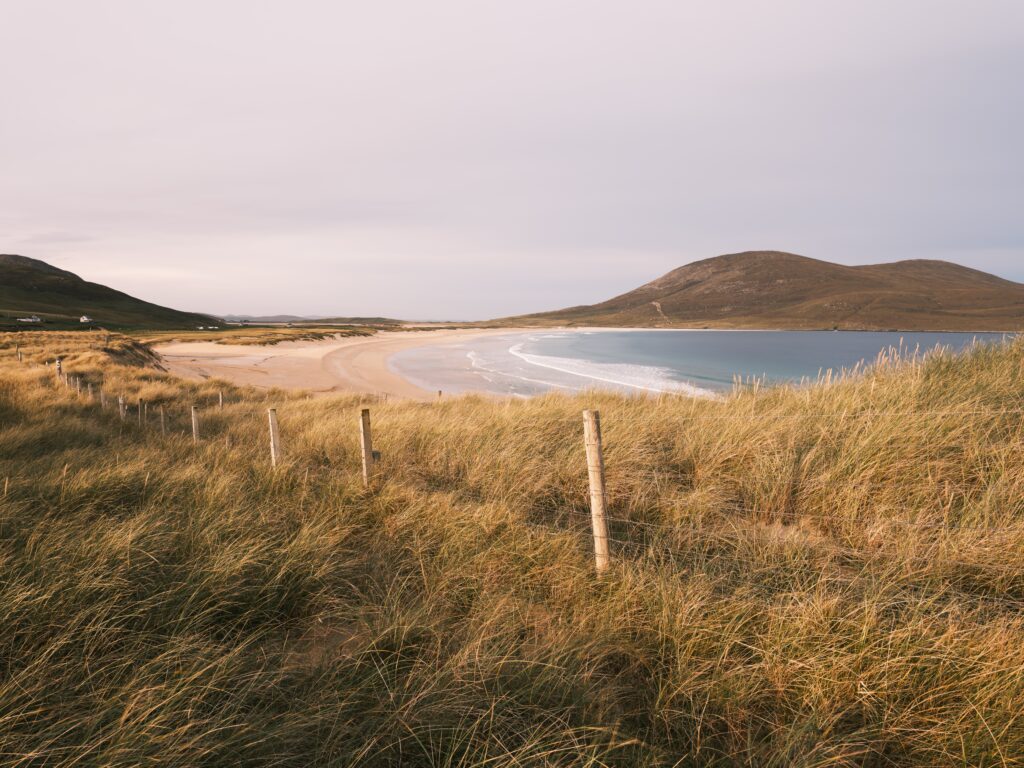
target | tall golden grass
[{"x": 830, "y": 575}]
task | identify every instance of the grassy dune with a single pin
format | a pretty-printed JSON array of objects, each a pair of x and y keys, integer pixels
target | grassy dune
[
  {"x": 255, "y": 335},
  {"x": 831, "y": 576}
]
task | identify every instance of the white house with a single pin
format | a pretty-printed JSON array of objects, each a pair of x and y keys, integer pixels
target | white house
[{"x": 85, "y": 319}]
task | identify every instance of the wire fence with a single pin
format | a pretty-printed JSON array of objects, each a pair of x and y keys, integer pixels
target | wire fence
[{"x": 634, "y": 538}]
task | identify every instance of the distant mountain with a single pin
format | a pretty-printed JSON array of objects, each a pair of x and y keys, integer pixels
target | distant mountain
[
  {"x": 771, "y": 289},
  {"x": 306, "y": 319},
  {"x": 32, "y": 287}
]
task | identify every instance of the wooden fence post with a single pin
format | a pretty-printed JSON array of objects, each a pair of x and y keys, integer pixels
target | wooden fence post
[
  {"x": 122, "y": 409},
  {"x": 220, "y": 398},
  {"x": 195, "y": 423},
  {"x": 163, "y": 421},
  {"x": 366, "y": 442},
  {"x": 91, "y": 397},
  {"x": 141, "y": 420},
  {"x": 595, "y": 472},
  {"x": 103, "y": 399},
  {"x": 275, "y": 438}
]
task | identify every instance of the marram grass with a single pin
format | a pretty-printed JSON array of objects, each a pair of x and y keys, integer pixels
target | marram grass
[{"x": 821, "y": 576}]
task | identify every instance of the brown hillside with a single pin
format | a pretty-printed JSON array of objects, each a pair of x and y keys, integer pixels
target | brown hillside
[{"x": 771, "y": 289}]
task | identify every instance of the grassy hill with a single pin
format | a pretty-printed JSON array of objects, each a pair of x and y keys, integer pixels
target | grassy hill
[
  {"x": 33, "y": 287},
  {"x": 831, "y": 576},
  {"x": 300, "y": 320},
  {"x": 769, "y": 289}
]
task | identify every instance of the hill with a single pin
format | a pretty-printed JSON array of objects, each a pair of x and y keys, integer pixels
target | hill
[
  {"x": 771, "y": 289},
  {"x": 33, "y": 287},
  {"x": 311, "y": 319},
  {"x": 826, "y": 576}
]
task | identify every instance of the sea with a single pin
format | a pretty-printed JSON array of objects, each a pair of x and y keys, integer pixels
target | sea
[{"x": 695, "y": 362}]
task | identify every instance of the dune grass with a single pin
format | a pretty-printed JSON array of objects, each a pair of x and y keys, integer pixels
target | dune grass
[
  {"x": 256, "y": 335},
  {"x": 825, "y": 576}
]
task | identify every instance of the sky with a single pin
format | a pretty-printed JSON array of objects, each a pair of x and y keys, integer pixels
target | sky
[{"x": 469, "y": 159}]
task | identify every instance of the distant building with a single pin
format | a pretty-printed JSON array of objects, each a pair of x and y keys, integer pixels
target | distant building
[
  {"x": 85, "y": 319},
  {"x": 33, "y": 319}
]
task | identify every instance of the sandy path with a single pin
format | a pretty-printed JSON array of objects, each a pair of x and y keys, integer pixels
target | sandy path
[{"x": 352, "y": 364}]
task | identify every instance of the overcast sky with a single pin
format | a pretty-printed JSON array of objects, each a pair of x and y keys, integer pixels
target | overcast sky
[{"x": 459, "y": 159}]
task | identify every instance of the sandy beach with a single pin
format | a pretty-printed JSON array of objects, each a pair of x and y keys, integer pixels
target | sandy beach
[{"x": 351, "y": 364}]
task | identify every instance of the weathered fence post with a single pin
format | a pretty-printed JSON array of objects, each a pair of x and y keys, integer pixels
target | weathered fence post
[
  {"x": 595, "y": 471},
  {"x": 163, "y": 421},
  {"x": 91, "y": 397},
  {"x": 103, "y": 399},
  {"x": 59, "y": 369},
  {"x": 141, "y": 418},
  {"x": 220, "y": 398},
  {"x": 195, "y": 423},
  {"x": 122, "y": 408},
  {"x": 366, "y": 442},
  {"x": 275, "y": 438}
]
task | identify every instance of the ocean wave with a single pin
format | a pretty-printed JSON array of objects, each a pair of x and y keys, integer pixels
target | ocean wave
[
  {"x": 646, "y": 377},
  {"x": 478, "y": 364}
]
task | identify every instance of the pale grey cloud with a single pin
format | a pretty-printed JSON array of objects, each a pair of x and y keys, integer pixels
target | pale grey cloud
[{"x": 472, "y": 158}]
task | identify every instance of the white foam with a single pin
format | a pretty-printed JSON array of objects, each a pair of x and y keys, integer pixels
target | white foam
[
  {"x": 476, "y": 362},
  {"x": 646, "y": 377}
]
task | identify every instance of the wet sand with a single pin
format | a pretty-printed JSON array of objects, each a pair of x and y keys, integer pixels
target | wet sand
[{"x": 352, "y": 364}]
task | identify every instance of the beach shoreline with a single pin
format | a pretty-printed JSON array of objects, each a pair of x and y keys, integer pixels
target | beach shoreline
[
  {"x": 367, "y": 365},
  {"x": 352, "y": 364}
]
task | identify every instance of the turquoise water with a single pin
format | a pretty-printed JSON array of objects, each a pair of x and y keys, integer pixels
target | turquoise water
[{"x": 530, "y": 363}]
